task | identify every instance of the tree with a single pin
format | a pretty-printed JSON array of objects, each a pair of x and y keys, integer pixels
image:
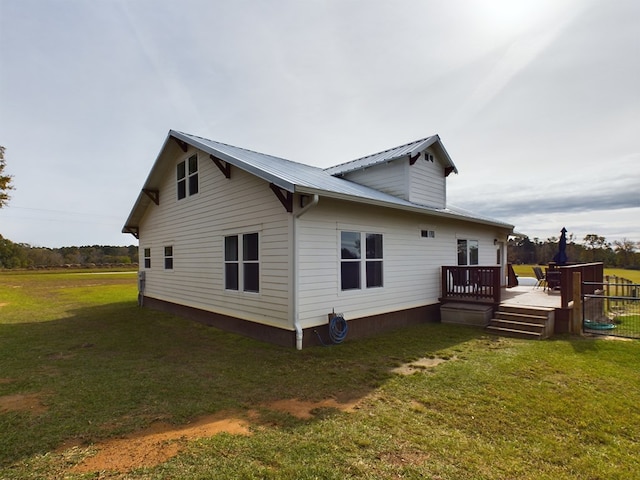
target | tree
[
  {"x": 625, "y": 251},
  {"x": 5, "y": 181},
  {"x": 596, "y": 248}
]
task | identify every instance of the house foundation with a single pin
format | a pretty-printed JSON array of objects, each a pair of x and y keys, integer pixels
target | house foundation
[{"x": 312, "y": 336}]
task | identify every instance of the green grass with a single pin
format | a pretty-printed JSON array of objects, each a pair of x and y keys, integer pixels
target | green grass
[
  {"x": 633, "y": 275},
  {"x": 499, "y": 409}
]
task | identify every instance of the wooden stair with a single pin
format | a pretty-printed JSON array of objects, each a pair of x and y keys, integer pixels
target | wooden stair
[{"x": 522, "y": 322}]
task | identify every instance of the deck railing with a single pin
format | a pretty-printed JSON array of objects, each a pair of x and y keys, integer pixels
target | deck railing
[
  {"x": 590, "y": 272},
  {"x": 472, "y": 283}
]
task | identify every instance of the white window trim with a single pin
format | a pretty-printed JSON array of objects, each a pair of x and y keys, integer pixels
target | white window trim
[
  {"x": 173, "y": 257},
  {"x": 363, "y": 231},
  {"x": 240, "y": 262},
  {"x": 185, "y": 160},
  {"x": 145, "y": 258},
  {"x": 468, "y": 239}
]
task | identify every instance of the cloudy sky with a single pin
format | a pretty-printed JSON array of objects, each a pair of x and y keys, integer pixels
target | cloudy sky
[{"x": 536, "y": 101}]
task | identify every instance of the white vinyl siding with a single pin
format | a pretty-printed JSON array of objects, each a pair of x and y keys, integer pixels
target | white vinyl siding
[
  {"x": 411, "y": 264},
  {"x": 390, "y": 178},
  {"x": 196, "y": 226},
  {"x": 423, "y": 182},
  {"x": 427, "y": 183}
]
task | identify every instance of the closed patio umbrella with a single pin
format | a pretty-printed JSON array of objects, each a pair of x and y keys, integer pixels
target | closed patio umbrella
[{"x": 561, "y": 257}]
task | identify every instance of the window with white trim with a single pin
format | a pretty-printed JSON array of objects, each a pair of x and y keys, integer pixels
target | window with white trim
[
  {"x": 353, "y": 267},
  {"x": 147, "y": 258},
  {"x": 187, "y": 177},
  {"x": 168, "y": 257},
  {"x": 242, "y": 262},
  {"x": 467, "y": 252}
]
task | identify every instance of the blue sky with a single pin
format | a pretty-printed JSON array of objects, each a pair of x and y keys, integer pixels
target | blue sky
[{"x": 537, "y": 102}]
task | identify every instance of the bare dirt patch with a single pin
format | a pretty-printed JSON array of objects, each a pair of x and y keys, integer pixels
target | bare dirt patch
[
  {"x": 22, "y": 402},
  {"x": 157, "y": 444},
  {"x": 420, "y": 365},
  {"x": 162, "y": 440},
  {"x": 3, "y": 304}
]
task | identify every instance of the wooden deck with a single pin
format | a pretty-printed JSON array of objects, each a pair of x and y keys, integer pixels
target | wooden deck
[
  {"x": 482, "y": 285},
  {"x": 530, "y": 296}
]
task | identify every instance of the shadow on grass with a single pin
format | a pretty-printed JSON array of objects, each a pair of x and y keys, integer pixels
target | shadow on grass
[{"x": 113, "y": 369}]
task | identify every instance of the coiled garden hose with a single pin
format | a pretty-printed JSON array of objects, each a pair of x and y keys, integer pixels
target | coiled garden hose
[{"x": 338, "y": 329}]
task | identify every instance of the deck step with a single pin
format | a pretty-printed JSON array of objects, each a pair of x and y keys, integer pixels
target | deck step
[
  {"x": 518, "y": 325},
  {"x": 522, "y": 321},
  {"x": 516, "y": 333},
  {"x": 542, "y": 311}
]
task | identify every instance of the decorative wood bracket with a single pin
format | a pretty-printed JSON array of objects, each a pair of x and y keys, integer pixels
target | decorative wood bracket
[
  {"x": 285, "y": 197},
  {"x": 225, "y": 167},
  {"x": 135, "y": 231},
  {"x": 183, "y": 145},
  {"x": 414, "y": 159},
  {"x": 154, "y": 195},
  {"x": 448, "y": 170}
]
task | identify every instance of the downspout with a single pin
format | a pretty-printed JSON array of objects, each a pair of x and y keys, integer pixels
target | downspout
[{"x": 296, "y": 275}]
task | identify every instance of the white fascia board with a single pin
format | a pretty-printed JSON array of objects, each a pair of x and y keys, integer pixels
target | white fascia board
[{"x": 423, "y": 145}]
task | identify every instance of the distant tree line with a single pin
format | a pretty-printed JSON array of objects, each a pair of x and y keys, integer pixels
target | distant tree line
[
  {"x": 22, "y": 255},
  {"x": 593, "y": 248}
]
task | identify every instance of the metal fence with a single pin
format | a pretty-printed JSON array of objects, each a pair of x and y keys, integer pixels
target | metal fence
[{"x": 613, "y": 308}]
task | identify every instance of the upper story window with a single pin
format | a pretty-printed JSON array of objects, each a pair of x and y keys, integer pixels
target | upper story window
[
  {"x": 467, "y": 252},
  {"x": 187, "y": 177},
  {"x": 353, "y": 268}
]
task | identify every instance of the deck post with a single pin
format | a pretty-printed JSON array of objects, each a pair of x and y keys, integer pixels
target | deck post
[{"x": 576, "y": 320}]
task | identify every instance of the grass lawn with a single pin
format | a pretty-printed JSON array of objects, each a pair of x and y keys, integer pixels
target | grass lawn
[
  {"x": 633, "y": 275},
  {"x": 83, "y": 369}
]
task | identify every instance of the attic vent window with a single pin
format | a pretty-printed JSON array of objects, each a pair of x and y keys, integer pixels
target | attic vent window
[
  {"x": 187, "y": 177},
  {"x": 428, "y": 157},
  {"x": 428, "y": 233}
]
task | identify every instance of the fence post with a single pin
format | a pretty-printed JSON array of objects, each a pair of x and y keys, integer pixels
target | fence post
[{"x": 576, "y": 320}]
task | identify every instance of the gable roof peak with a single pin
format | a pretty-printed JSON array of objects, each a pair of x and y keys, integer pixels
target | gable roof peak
[{"x": 407, "y": 150}]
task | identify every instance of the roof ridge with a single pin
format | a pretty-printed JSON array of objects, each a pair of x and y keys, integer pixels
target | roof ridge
[
  {"x": 243, "y": 148},
  {"x": 379, "y": 153}
]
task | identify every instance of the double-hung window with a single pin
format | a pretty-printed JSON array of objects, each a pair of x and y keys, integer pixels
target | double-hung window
[
  {"x": 187, "y": 177},
  {"x": 242, "y": 262},
  {"x": 168, "y": 258},
  {"x": 147, "y": 258},
  {"x": 353, "y": 267}
]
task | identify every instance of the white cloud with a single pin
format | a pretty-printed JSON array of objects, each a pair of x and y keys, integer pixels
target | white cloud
[{"x": 533, "y": 99}]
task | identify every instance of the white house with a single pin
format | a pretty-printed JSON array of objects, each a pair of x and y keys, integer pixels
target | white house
[{"x": 269, "y": 248}]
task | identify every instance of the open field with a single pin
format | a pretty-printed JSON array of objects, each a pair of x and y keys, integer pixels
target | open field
[
  {"x": 633, "y": 275},
  {"x": 93, "y": 387}
]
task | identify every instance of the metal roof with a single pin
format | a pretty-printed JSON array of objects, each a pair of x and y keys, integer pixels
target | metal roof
[
  {"x": 408, "y": 150},
  {"x": 299, "y": 178}
]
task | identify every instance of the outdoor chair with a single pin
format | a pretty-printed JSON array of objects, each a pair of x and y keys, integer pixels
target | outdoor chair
[
  {"x": 552, "y": 278},
  {"x": 540, "y": 277}
]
